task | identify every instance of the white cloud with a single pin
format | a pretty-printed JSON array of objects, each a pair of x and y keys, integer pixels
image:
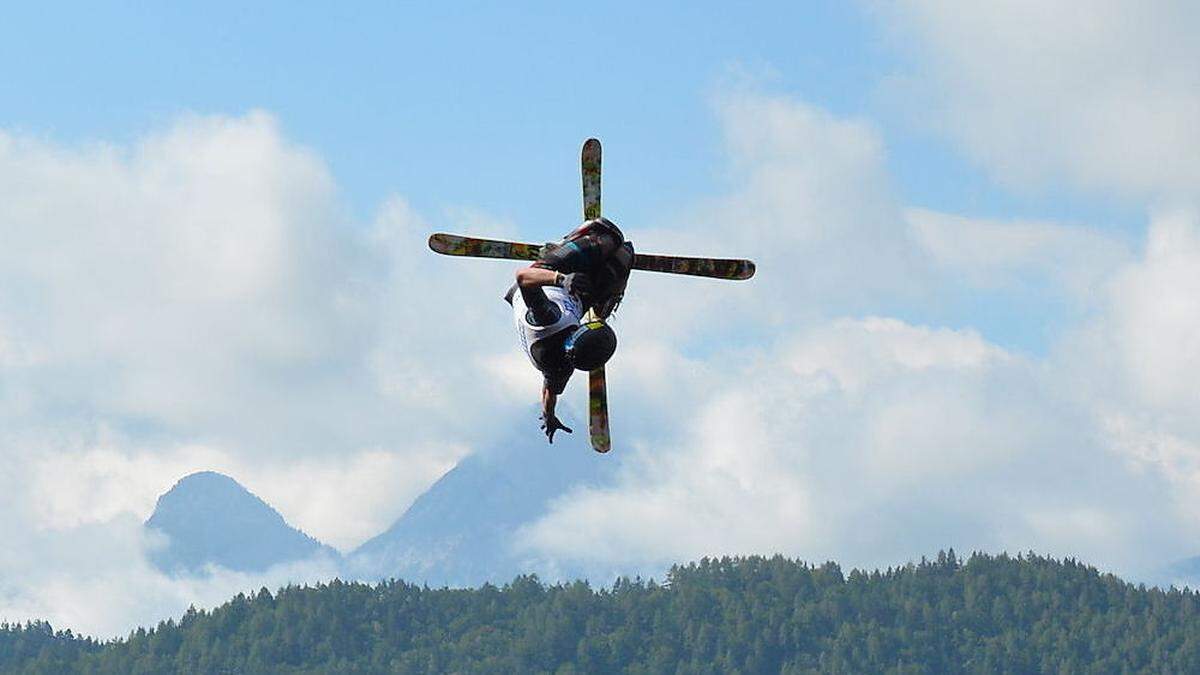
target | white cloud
[
  {"x": 1134, "y": 362},
  {"x": 990, "y": 253},
  {"x": 208, "y": 271},
  {"x": 810, "y": 202},
  {"x": 177, "y": 280},
  {"x": 342, "y": 500},
  {"x": 811, "y": 190},
  {"x": 851, "y": 352},
  {"x": 874, "y": 441},
  {"x": 95, "y": 580},
  {"x": 1156, "y": 316},
  {"x": 1102, "y": 96},
  {"x": 198, "y": 300}
]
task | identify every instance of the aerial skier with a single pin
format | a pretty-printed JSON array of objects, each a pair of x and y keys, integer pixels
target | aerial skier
[
  {"x": 586, "y": 271},
  {"x": 562, "y": 301}
]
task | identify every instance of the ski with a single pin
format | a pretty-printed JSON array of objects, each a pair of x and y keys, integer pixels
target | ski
[
  {"x": 715, "y": 268},
  {"x": 589, "y": 163},
  {"x": 598, "y": 411},
  {"x": 473, "y": 247}
]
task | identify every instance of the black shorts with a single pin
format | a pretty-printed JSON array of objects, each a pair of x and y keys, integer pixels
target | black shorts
[{"x": 551, "y": 358}]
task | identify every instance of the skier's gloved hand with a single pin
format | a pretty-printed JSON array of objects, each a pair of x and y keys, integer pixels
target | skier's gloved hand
[
  {"x": 551, "y": 424},
  {"x": 576, "y": 283}
]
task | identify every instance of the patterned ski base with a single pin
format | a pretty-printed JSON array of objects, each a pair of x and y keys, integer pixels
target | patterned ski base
[
  {"x": 598, "y": 411},
  {"x": 589, "y": 162},
  {"x": 716, "y": 268},
  {"x": 453, "y": 244}
]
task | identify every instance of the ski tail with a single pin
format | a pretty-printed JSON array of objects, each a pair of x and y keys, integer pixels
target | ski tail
[
  {"x": 598, "y": 411},
  {"x": 589, "y": 162}
]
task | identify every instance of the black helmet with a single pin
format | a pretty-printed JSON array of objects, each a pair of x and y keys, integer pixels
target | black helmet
[{"x": 591, "y": 345}]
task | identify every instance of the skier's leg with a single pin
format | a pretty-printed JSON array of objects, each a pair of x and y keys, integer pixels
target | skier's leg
[{"x": 584, "y": 253}]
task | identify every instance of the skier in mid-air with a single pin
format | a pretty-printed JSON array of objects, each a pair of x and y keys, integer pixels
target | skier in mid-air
[
  {"x": 585, "y": 271},
  {"x": 571, "y": 288}
]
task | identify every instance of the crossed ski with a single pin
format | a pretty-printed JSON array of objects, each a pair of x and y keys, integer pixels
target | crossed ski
[{"x": 474, "y": 247}]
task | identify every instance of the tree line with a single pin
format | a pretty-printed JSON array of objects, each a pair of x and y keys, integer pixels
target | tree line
[{"x": 989, "y": 613}]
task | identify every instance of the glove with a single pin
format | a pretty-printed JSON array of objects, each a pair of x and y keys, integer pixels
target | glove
[
  {"x": 550, "y": 425},
  {"x": 576, "y": 283}
]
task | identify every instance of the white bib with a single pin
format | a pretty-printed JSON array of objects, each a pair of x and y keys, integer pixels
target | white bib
[{"x": 569, "y": 311}]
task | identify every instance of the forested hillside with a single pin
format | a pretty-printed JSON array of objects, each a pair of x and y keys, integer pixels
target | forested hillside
[{"x": 753, "y": 615}]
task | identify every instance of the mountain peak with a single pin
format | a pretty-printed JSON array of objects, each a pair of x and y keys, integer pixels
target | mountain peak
[
  {"x": 462, "y": 531},
  {"x": 211, "y": 519},
  {"x": 207, "y": 477}
]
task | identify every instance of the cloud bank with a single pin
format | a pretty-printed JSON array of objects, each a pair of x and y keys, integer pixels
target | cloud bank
[
  {"x": 198, "y": 300},
  {"x": 839, "y": 430},
  {"x": 1045, "y": 94}
]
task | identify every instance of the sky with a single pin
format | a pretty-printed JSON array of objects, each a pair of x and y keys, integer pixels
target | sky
[{"x": 975, "y": 322}]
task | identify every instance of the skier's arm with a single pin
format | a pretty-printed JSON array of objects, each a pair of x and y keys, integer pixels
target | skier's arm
[
  {"x": 534, "y": 277},
  {"x": 550, "y": 423},
  {"x": 575, "y": 283},
  {"x": 530, "y": 281}
]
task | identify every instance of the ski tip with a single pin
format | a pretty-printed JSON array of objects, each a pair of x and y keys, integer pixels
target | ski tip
[
  {"x": 439, "y": 242},
  {"x": 591, "y": 147},
  {"x": 601, "y": 441}
]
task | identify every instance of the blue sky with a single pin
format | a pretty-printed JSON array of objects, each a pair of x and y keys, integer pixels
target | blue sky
[
  {"x": 408, "y": 98},
  {"x": 975, "y": 314},
  {"x": 479, "y": 103}
]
